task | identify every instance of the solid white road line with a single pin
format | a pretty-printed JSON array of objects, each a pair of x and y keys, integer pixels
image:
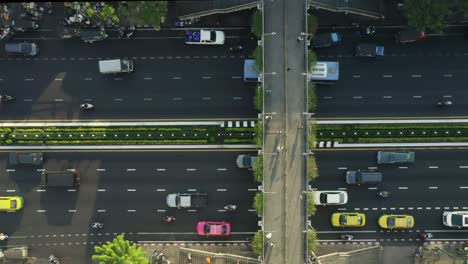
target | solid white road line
[
  {"x": 433, "y": 167},
  {"x": 433, "y": 188}
]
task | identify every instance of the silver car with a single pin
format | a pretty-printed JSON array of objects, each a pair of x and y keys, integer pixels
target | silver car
[
  {"x": 245, "y": 161},
  {"x": 26, "y": 158},
  {"x": 392, "y": 157}
]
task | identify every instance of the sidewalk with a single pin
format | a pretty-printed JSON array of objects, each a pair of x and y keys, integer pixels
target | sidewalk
[{"x": 236, "y": 253}]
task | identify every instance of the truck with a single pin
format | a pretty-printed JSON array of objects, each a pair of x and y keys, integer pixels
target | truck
[
  {"x": 204, "y": 37},
  {"x": 187, "y": 200},
  {"x": 115, "y": 66},
  {"x": 325, "y": 40},
  {"x": 369, "y": 50}
]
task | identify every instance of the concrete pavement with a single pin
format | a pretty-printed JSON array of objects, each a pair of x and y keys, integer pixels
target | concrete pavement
[{"x": 285, "y": 174}]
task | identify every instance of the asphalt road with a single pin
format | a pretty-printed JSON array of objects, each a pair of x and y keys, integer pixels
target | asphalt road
[
  {"x": 436, "y": 182},
  {"x": 125, "y": 191},
  {"x": 170, "y": 80},
  {"x": 408, "y": 81}
]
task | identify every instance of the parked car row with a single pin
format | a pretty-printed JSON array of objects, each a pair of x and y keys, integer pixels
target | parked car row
[{"x": 396, "y": 221}]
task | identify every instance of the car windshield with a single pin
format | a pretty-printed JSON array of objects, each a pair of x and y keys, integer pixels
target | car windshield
[
  {"x": 207, "y": 228},
  {"x": 224, "y": 229},
  {"x": 323, "y": 198},
  {"x": 213, "y": 36},
  {"x": 13, "y": 204},
  {"x": 457, "y": 220},
  {"x": 391, "y": 222},
  {"x": 343, "y": 219}
]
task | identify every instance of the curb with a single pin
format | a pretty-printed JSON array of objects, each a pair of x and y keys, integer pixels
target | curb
[
  {"x": 147, "y": 243},
  {"x": 129, "y": 147},
  {"x": 329, "y": 144}
]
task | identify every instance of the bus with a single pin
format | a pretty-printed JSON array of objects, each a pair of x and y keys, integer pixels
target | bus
[{"x": 325, "y": 72}]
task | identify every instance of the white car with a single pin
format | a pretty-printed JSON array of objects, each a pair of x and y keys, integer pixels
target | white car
[
  {"x": 455, "y": 219},
  {"x": 204, "y": 37},
  {"x": 330, "y": 197}
]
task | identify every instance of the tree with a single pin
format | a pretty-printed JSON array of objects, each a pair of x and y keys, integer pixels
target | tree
[
  {"x": 119, "y": 251},
  {"x": 311, "y": 209},
  {"x": 258, "y": 203},
  {"x": 257, "y": 23},
  {"x": 258, "y": 98},
  {"x": 145, "y": 13},
  {"x": 311, "y": 239},
  {"x": 258, "y": 169},
  {"x": 312, "y": 24},
  {"x": 259, "y": 134},
  {"x": 258, "y": 57},
  {"x": 313, "y": 169},
  {"x": 427, "y": 14},
  {"x": 257, "y": 243}
]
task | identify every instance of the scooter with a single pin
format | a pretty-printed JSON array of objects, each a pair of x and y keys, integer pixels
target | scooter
[
  {"x": 6, "y": 98},
  {"x": 3, "y": 236},
  {"x": 53, "y": 260},
  {"x": 383, "y": 194},
  {"x": 86, "y": 106}
]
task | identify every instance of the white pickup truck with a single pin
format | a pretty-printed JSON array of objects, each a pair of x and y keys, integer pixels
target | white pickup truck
[
  {"x": 187, "y": 200},
  {"x": 204, "y": 37}
]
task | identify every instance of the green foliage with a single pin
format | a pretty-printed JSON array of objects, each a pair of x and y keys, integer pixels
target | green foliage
[
  {"x": 258, "y": 98},
  {"x": 312, "y": 97},
  {"x": 258, "y": 57},
  {"x": 258, "y": 203},
  {"x": 145, "y": 13},
  {"x": 311, "y": 209},
  {"x": 311, "y": 239},
  {"x": 427, "y": 15},
  {"x": 8, "y": 141},
  {"x": 258, "y": 169},
  {"x": 119, "y": 251},
  {"x": 312, "y": 171},
  {"x": 257, "y": 24},
  {"x": 312, "y": 24},
  {"x": 312, "y": 133},
  {"x": 311, "y": 59},
  {"x": 257, "y": 243},
  {"x": 259, "y": 134}
]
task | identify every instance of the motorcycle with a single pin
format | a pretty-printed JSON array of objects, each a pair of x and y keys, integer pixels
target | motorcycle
[
  {"x": 426, "y": 235},
  {"x": 230, "y": 207},
  {"x": 86, "y": 106}
]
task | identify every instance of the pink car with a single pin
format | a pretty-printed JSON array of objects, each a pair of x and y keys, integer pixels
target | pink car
[{"x": 207, "y": 228}]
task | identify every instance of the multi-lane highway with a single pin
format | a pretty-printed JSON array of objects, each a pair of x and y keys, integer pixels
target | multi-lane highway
[
  {"x": 170, "y": 80},
  {"x": 435, "y": 183},
  {"x": 127, "y": 192},
  {"x": 407, "y": 81}
]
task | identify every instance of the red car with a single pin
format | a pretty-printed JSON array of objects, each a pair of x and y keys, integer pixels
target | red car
[{"x": 207, "y": 228}]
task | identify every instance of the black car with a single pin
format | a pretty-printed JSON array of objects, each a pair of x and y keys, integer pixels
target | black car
[{"x": 26, "y": 158}]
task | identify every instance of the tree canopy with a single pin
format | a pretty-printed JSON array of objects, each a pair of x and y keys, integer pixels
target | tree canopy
[{"x": 119, "y": 251}]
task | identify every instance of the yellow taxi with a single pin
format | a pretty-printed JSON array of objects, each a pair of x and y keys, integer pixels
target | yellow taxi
[
  {"x": 11, "y": 203},
  {"x": 347, "y": 219},
  {"x": 396, "y": 221}
]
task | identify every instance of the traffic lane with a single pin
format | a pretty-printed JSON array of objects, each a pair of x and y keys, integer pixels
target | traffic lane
[
  {"x": 373, "y": 106},
  {"x": 20, "y": 68},
  {"x": 51, "y": 46},
  {"x": 54, "y": 105},
  {"x": 393, "y": 87}
]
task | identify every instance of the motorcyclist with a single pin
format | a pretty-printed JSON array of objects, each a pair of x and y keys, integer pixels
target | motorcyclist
[
  {"x": 3, "y": 236},
  {"x": 86, "y": 106},
  {"x": 96, "y": 225},
  {"x": 236, "y": 48},
  {"x": 53, "y": 260},
  {"x": 230, "y": 207},
  {"x": 6, "y": 97},
  {"x": 383, "y": 194},
  {"x": 427, "y": 235},
  {"x": 347, "y": 237},
  {"x": 169, "y": 219},
  {"x": 445, "y": 103}
]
